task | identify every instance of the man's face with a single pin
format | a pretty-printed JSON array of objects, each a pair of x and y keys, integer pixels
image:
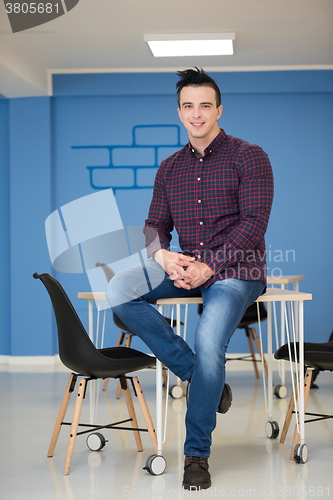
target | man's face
[{"x": 199, "y": 113}]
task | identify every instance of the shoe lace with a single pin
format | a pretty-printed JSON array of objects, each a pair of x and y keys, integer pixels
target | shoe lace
[{"x": 198, "y": 460}]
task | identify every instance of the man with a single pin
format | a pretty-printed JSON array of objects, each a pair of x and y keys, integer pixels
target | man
[{"x": 217, "y": 192}]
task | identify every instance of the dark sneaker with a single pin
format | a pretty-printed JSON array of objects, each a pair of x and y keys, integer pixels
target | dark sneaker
[
  {"x": 196, "y": 475},
  {"x": 226, "y": 399}
]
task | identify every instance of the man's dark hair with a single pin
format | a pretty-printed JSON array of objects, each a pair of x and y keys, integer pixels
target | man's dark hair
[{"x": 196, "y": 77}]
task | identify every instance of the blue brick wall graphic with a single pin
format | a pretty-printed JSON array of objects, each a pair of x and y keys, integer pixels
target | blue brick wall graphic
[{"x": 135, "y": 166}]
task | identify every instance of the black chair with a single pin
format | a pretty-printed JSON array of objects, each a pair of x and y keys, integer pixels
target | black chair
[
  {"x": 78, "y": 353},
  {"x": 249, "y": 319},
  {"x": 317, "y": 358}
]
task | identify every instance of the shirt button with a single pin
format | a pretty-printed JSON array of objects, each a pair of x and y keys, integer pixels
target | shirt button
[
  {"x": 201, "y": 223},
  {"x": 201, "y": 159},
  {"x": 199, "y": 257},
  {"x": 199, "y": 179},
  {"x": 201, "y": 243},
  {"x": 199, "y": 201}
]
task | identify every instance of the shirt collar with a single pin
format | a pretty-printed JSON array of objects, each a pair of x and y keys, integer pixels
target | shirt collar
[{"x": 215, "y": 144}]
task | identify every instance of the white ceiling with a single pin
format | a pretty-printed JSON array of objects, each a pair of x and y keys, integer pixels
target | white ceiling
[{"x": 107, "y": 35}]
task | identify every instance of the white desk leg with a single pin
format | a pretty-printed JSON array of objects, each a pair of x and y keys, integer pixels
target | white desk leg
[
  {"x": 282, "y": 340},
  {"x": 159, "y": 402},
  {"x": 91, "y": 319},
  {"x": 301, "y": 371},
  {"x": 272, "y": 427},
  {"x": 179, "y": 332},
  {"x": 156, "y": 464},
  {"x": 300, "y": 451},
  {"x": 178, "y": 319},
  {"x": 296, "y": 288},
  {"x": 269, "y": 361},
  {"x": 177, "y": 391}
]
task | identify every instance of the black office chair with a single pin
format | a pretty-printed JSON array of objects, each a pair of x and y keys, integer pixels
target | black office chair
[
  {"x": 249, "y": 319},
  {"x": 78, "y": 353},
  {"x": 317, "y": 358}
]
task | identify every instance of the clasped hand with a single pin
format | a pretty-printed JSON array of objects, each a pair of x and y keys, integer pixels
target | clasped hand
[{"x": 184, "y": 270}]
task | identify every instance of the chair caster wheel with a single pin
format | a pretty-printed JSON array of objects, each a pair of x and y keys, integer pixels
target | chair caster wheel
[
  {"x": 95, "y": 441},
  {"x": 176, "y": 391},
  {"x": 280, "y": 391},
  {"x": 155, "y": 465},
  {"x": 301, "y": 453},
  {"x": 272, "y": 429}
]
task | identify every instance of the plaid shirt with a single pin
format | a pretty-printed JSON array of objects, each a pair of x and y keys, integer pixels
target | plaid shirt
[{"x": 219, "y": 204}]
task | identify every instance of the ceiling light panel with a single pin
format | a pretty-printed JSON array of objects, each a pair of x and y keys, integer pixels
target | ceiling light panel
[{"x": 191, "y": 44}]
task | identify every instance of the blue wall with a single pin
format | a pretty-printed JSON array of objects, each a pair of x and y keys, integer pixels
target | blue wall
[
  {"x": 30, "y": 203},
  {"x": 4, "y": 225},
  {"x": 112, "y": 130}
]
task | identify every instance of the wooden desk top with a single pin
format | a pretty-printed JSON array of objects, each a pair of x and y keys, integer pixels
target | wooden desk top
[
  {"x": 92, "y": 295},
  {"x": 281, "y": 295},
  {"x": 284, "y": 280},
  {"x": 271, "y": 295}
]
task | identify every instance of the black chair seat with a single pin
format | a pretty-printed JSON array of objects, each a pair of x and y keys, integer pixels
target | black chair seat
[
  {"x": 318, "y": 356},
  {"x": 251, "y": 315},
  {"x": 111, "y": 362}
]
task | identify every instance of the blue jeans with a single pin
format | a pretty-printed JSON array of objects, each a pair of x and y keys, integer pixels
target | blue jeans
[{"x": 130, "y": 293}]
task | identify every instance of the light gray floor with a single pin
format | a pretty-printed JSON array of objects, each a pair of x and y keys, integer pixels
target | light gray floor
[{"x": 243, "y": 464}]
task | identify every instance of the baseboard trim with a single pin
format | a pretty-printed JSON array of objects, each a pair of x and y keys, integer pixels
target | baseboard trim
[
  {"x": 32, "y": 364},
  {"x": 236, "y": 364},
  {"x": 53, "y": 363}
]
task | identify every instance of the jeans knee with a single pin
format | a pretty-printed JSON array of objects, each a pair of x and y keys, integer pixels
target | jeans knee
[
  {"x": 117, "y": 291},
  {"x": 127, "y": 285},
  {"x": 111, "y": 292}
]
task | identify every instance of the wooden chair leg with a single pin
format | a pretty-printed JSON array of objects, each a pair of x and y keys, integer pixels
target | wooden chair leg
[
  {"x": 256, "y": 340},
  {"x": 105, "y": 384},
  {"x": 128, "y": 340},
  {"x": 62, "y": 412},
  {"x": 118, "y": 393},
  {"x": 253, "y": 356},
  {"x": 120, "y": 339},
  {"x": 131, "y": 412},
  {"x": 145, "y": 413},
  {"x": 288, "y": 417},
  {"x": 74, "y": 425},
  {"x": 307, "y": 387}
]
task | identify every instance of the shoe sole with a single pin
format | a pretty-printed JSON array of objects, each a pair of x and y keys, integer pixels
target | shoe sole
[
  {"x": 197, "y": 487},
  {"x": 226, "y": 399}
]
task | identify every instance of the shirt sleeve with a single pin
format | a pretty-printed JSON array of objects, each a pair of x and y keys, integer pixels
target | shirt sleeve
[
  {"x": 159, "y": 225},
  {"x": 256, "y": 188}
]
